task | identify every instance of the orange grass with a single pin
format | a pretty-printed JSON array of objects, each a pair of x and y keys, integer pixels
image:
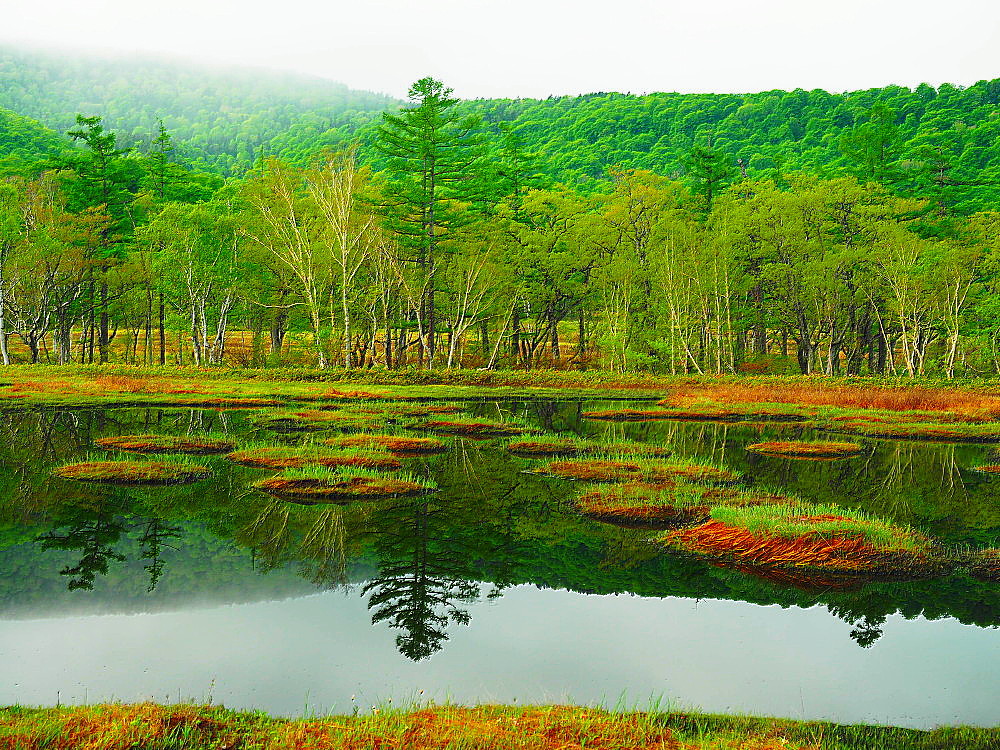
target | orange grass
[
  {"x": 150, "y": 726},
  {"x": 187, "y": 444},
  {"x": 804, "y": 449},
  {"x": 836, "y": 552},
  {"x": 889, "y": 398}
]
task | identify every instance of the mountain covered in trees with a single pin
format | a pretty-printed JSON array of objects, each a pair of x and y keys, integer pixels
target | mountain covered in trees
[
  {"x": 945, "y": 138},
  {"x": 212, "y": 217}
]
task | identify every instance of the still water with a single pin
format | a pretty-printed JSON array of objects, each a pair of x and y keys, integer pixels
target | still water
[{"x": 492, "y": 589}]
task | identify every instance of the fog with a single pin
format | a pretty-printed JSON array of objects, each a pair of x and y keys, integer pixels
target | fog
[{"x": 512, "y": 48}]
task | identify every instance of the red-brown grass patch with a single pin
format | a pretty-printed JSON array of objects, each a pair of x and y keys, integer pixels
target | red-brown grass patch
[
  {"x": 186, "y": 444},
  {"x": 133, "y": 472},
  {"x": 806, "y": 449}
]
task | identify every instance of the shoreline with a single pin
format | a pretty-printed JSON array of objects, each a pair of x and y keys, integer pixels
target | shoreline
[{"x": 115, "y": 726}]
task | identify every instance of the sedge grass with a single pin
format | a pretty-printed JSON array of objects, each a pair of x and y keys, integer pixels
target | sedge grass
[{"x": 450, "y": 727}]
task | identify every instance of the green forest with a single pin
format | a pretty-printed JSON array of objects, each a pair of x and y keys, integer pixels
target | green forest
[{"x": 155, "y": 213}]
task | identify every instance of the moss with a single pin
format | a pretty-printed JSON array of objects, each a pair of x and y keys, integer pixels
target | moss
[
  {"x": 805, "y": 449},
  {"x": 398, "y": 445},
  {"x": 343, "y": 485},
  {"x": 186, "y": 444},
  {"x": 164, "y": 471}
]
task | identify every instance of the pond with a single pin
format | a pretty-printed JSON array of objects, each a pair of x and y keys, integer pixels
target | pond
[{"x": 492, "y": 589}]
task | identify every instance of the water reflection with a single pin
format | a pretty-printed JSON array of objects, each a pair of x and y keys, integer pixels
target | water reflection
[{"x": 420, "y": 563}]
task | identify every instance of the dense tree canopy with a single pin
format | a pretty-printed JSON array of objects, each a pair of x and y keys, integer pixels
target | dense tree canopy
[{"x": 806, "y": 231}]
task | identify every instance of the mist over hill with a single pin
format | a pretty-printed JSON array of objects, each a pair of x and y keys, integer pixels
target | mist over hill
[{"x": 943, "y": 139}]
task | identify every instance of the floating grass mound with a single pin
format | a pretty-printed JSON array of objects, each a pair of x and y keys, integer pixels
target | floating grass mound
[
  {"x": 985, "y": 565},
  {"x": 186, "y": 444},
  {"x": 224, "y": 402},
  {"x": 642, "y": 470},
  {"x": 397, "y": 445},
  {"x": 808, "y": 537},
  {"x": 651, "y": 506},
  {"x": 988, "y": 468},
  {"x": 643, "y": 506},
  {"x": 474, "y": 428},
  {"x": 807, "y": 450},
  {"x": 556, "y": 445},
  {"x": 266, "y": 456},
  {"x": 318, "y": 485},
  {"x": 163, "y": 471}
]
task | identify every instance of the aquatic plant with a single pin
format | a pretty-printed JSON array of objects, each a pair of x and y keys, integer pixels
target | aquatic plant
[
  {"x": 313, "y": 484},
  {"x": 637, "y": 469},
  {"x": 198, "y": 445},
  {"x": 806, "y": 449},
  {"x": 637, "y": 505},
  {"x": 559, "y": 445},
  {"x": 398, "y": 445},
  {"x": 806, "y": 536},
  {"x": 162, "y": 471},
  {"x": 269, "y": 456}
]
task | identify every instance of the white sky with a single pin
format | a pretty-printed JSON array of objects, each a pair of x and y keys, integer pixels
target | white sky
[{"x": 509, "y": 48}]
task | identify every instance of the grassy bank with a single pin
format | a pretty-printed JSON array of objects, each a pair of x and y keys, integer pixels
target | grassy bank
[{"x": 154, "y": 727}]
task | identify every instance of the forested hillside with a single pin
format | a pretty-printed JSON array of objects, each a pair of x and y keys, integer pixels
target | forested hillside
[
  {"x": 944, "y": 141},
  {"x": 248, "y": 219},
  {"x": 220, "y": 118}
]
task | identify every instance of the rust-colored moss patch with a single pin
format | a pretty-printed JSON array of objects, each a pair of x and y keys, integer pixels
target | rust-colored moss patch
[
  {"x": 709, "y": 413},
  {"x": 133, "y": 472},
  {"x": 806, "y": 449},
  {"x": 340, "y": 488},
  {"x": 186, "y": 444},
  {"x": 398, "y": 445}
]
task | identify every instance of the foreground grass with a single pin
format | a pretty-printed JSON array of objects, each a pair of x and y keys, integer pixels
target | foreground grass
[{"x": 154, "y": 727}]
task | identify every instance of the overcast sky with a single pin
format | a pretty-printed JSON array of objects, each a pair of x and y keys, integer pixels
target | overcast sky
[{"x": 508, "y": 48}]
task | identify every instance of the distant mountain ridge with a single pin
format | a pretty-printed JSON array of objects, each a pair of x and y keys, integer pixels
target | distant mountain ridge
[
  {"x": 943, "y": 141},
  {"x": 220, "y": 118}
]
